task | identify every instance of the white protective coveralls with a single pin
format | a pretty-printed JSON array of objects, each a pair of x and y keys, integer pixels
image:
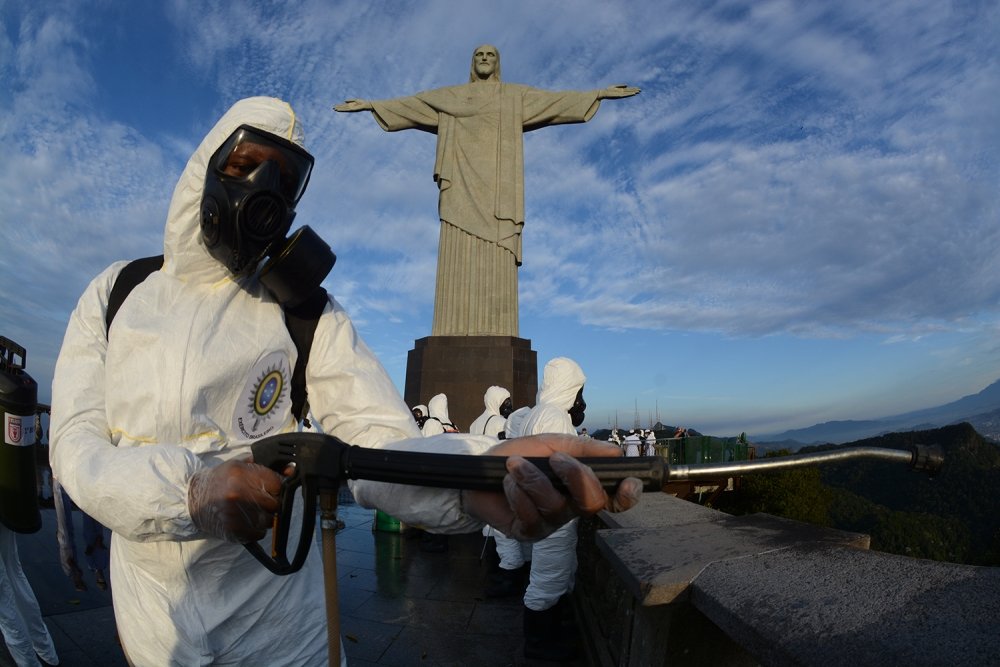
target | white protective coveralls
[
  {"x": 438, "y": 420},
  {"x": 491, "y": 422},
  {"x": 21, "y": 622},
  {"x": 170, "y": 391},
  {"x": 553, "y": 559},
  {"x": 514, "y": 426},
  {"x": 649, "y": 445},
  {"x": 632, "y": 444}
]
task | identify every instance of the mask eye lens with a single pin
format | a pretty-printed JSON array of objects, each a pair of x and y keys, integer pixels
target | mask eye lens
[{"x": 247, "y": 149}]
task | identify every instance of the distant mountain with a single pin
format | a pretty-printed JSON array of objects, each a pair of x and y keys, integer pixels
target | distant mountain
[
  {"x": 982, "y": 410},
  {"x": 988, "y": 400},
  {"x": 987, "y": 424}
]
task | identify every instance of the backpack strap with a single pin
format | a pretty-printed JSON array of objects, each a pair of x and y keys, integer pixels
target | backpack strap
[
  {"x": 487, "y": 424},
  {"x": 300, "y": 322},
  {"x": 134, "y": 273}
]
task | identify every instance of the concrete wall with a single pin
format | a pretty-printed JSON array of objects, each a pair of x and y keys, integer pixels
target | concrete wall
[{"x": 674, "y": 583}]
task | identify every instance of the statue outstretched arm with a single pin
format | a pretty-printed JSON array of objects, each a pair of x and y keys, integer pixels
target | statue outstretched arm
[
  {"x": 619, "y": 90},
  {"x": 354, "y": 105}
]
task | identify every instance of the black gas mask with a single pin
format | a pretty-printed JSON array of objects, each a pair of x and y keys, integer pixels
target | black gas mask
[
  {"x": 506, "y": 408},
  {"x": 252, "y": 185},
  {"x": 578, "y": 409}
]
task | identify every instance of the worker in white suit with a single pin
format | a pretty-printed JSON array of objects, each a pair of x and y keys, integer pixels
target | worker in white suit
[
  {"x": 498, "y": 407},
  {"x": 438, "y": 421},
  {"x": 21, "y": 623},
  {"x": 153, "y": 417},
  {"x": 559, "y": 408}
]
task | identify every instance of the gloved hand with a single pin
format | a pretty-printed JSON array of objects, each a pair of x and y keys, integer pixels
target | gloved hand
[
  {"x": 530, "y": 507},
  {"x": 234, "y": 501}
]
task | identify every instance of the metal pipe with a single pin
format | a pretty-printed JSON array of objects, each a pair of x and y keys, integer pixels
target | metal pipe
[
  {"x": 328, "y": 524},
  {"x": 921, "y": 457}
]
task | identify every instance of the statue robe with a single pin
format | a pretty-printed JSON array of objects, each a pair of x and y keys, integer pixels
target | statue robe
[{"x": 479, "y": 170}]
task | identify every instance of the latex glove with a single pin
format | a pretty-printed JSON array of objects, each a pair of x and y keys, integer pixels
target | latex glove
[
  {"x": 234, "y": 501},
  {"x": 530, "y": 507}
]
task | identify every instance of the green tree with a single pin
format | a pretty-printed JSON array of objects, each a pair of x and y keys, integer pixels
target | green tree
[{"x": 793, "y": 494}]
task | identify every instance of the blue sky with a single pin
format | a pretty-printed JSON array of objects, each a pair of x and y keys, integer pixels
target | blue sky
[{"x": 795, "y": 221}]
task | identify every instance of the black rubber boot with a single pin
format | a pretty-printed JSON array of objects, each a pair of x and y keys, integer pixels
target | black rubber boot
[
  {"x": 544, "y": 638},
  {"x": 567, "y": 616},
  {"x": 506, "y": 583}
]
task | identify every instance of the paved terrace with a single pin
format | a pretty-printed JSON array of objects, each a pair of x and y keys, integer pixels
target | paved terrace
[
  {"x": 668, "y": 583},
  {"x": 399, "y": 605}
]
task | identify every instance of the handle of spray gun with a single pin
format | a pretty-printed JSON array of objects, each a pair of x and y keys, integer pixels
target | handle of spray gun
[{"x": 321, "y": 462}]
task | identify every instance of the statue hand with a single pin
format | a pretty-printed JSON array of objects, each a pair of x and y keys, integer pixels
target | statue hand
[
  {"x": 619, "y": 90},
  {"x": 353, "y": 105}
]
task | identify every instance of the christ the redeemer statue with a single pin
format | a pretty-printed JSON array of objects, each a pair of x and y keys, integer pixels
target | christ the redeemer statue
[{"x": 479, "y": 170}]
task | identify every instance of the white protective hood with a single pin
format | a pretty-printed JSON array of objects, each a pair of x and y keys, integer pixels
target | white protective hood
[
  {"x": 490, "y": 422},
  {"x": 185, "y": 254},
  {"x": 562, "y": 379},
  {"x": 437, "y": 408},
  {"x": 437, "y": 416}
]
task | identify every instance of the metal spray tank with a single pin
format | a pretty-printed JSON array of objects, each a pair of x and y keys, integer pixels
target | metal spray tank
[{"x": 18, "y": 399}]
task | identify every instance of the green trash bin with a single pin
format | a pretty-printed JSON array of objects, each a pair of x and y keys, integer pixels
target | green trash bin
[{"x": 386, "y": 523}]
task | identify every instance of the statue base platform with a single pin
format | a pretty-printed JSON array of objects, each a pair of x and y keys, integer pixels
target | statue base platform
[{"x": 464, "y": 367}]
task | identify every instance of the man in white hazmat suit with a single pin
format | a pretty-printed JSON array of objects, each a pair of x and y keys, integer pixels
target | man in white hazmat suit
[
  {"x": 633, "y": 444},
  {"x": 437, "y": 421},
  {"x": 559, "y": 408},
  {"x": 152, "y": 420},
  {"x": 491, "y": 422},
  {"x": 498, "y": 407}
]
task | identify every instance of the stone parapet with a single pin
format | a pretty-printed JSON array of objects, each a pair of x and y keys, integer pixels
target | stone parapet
[{"x": 674, "y": 583}]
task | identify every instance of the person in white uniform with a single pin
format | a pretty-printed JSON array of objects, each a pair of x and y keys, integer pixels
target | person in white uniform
[
  {"x": 649, "y": 443},
  {"x": 513, "y": 427},
  {"x": 21, "y": 623},
  {"x": 153, "y": 418},
  {"x": 559, "y": 408},
  {"x": 633, "y": 444},
  {"x": 491, "y": 422},
  {"x": 498, "y": 407},
  {"x": 438, "y": 421}
]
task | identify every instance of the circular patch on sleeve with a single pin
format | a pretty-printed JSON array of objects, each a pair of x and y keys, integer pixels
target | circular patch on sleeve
[{"x": 265, "y": 402}]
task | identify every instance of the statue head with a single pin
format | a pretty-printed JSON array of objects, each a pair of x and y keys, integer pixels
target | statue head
[{"x": 485, "y": 64}]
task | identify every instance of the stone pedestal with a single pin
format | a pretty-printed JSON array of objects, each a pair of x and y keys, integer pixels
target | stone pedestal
[{"x": 464, "y": 367}]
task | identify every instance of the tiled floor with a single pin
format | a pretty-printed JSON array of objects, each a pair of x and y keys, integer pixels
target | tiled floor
[
  {"x": 402, "y": 606},
  {"x": 399, "y": 605}
]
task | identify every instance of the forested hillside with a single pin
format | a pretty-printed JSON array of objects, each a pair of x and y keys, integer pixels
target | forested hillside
[{"x": 952, "y": 516}]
